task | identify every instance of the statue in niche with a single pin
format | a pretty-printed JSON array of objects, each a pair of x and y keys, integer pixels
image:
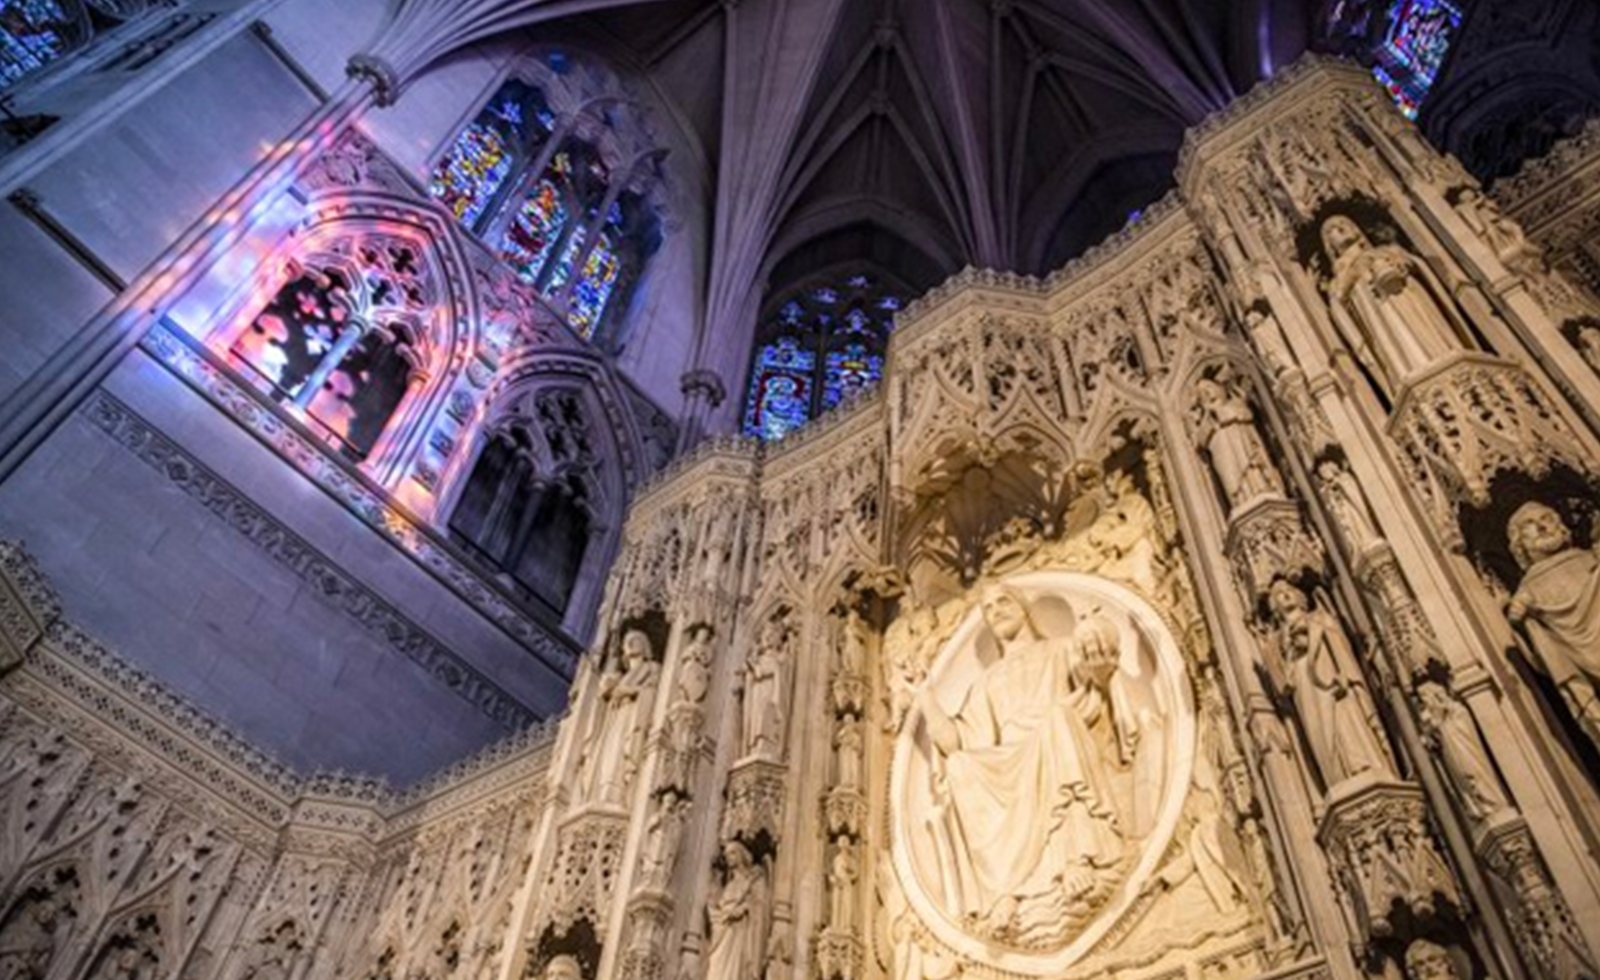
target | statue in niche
[
  {"x": 1348, "y": 504},
  {"x": 847, "y": 745},
  {"x": 1268, "y": 333},
  {"x": 1123, "y": 542},
  {"x": 765, "y": 673},
  {"x": 1449, "y": 730},
  {"x": 738, "y": 918},
  {"x": 1387, "y": 303},
  {"x": 853, "y": 645},
  {"x": 1227, "y": 428},
  {"x": 1330, "y": 695},
  {"x": 663, "y": 835},
  {"x": 625, "y": 690},
  {"x": 694, "y": 673},
  {"x": 1027, "y": 823},
  {"x": 843, "y": 873},
  {"x": 1558, "y": 604},
  {"x": 1503, "y": 236},
  {"x": 1430, "y": 961},
  {"x": 35, "y": 929}
]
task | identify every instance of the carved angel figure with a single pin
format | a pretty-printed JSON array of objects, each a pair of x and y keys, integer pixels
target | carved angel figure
[
  {"x": 738, "y": 918},
  {"x": 1330, "y": 695},
  {"x": 624, "y": 692},
  {"x": 1558, "y": 604},
  {"x": 663, "y": 834},
  {"x": 843, "y": 873},
  {"x": 1348, "y": 503},
  {"x": 1389, "y": 305}
]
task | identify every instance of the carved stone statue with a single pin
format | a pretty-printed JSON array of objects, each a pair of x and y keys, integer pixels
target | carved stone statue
[
  {"x": 1348, "y": 504},
  {"x": 1504, "y": 236},
  {"x": 1429, "y": 961},
  {"x": 904, "y": 662},
  {"x": 843, "y": 874},
  {"x": 765, "y": 675},
  {"x": 847, "y": 745},
  {"x": 853, "y": 645},
  {"x": 663, "y": 834},
  {"x": 1452, "y": 733},
  {"x": 1330, "y": 694},
  {"x": 1388, "y": 304},
  {"x": 625, "y": 691},
  {"x": 1029, "y": 824},
  {"x": 1239, "y": 457},
  {"x": 1558, "y": 603},
  {"x": 694, "y": 673},
  {"x": 738, "y": 918},
  {"x": 1124, "y": 541}
]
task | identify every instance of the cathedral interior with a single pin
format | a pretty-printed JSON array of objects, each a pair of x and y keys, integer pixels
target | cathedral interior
[{"x": 816, "y": 489}]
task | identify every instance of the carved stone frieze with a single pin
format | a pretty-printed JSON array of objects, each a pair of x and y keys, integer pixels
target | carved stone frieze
[{"x": 1474, "y": 417}]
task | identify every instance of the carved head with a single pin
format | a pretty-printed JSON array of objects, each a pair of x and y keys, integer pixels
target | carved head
[
  {"x": 1429, "y": 961},
  {"x": 1436, "y": 701},
  {"x": 635, "y": 647},
  {"x": 1589, "y": 341},
  {"x": 1537, "y": 532},
  {"x": 735, "y": 855},
  {"x": 563, "y": 967},
  {"x": 699, "y": 646},
  {"x": 1006, "y": 611},
  {"x": 1340, "y": 234},
  {"x": 1287, "y": 599},
  {"x": 1208, "y": 392}
]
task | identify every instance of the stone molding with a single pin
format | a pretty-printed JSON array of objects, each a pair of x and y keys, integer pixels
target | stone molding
[{"x": 333, "y": 585}]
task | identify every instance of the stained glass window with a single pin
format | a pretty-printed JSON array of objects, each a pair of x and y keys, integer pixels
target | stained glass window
[
  {"x": 1414, "y": 49},
  {"x": 514, "y": 124},
  {"x": 825, "y": 346},
  {"x": 33, "y": 33},
  {"x": 590, "y": 295},
  {"x": 563, "y": 229},
  {"x": 780, "y": 389},
  {"x": 534, "y": 231}
]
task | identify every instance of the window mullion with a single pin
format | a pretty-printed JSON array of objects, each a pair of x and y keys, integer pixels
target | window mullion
[{"x": 348, "y": 338}]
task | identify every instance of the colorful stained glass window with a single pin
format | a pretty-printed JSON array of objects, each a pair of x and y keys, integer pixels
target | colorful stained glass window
[
  {"x": 594, "y": 288},
  {"x": 780, "y": 389},
  {"x": 484, "y": 155},
  {"x": 829, "y": 345},
  {"x": 534, "y": 231},
  {"x": 33, "y": 33},
  {"x": 1414, "y": 49}
]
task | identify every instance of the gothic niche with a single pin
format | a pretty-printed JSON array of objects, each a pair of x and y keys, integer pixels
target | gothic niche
[
  {"x": 343, "y": 340},
  {"x": 1536, "y": 547},
  {"x": 529, "y": 504},
  {"x": 1040, "y": 776},
  {"x": 1388, "y": 305}
]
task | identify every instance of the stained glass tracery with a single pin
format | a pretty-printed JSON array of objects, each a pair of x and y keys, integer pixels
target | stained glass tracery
[
  {"x": 514, "y": 123},
  {"x": 1414, "y": 49},
  {"x": 34, "y": 33},
  {"x": 824, "y": 345},
  {"x": 562, "y": 228}
]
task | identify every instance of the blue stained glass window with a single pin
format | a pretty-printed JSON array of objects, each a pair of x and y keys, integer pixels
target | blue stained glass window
[
  {"x": 33, "y": 33},
  {"x": 780, "y": 389},
  {"x": 1414, "y": 49},
  {"x": 850, "y": 371},
  {"x": 828, "y": 346},
  {"x": 593, "y": 291}
]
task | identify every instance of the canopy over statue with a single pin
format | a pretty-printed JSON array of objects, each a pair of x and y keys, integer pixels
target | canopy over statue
[{"x": 1041, "y": 773}]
